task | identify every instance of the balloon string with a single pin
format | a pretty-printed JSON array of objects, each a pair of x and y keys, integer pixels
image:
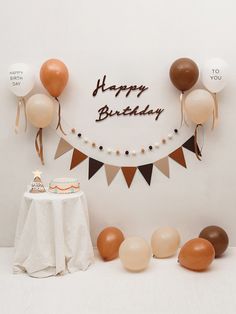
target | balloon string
[
  {"x": 21, "y": 102},
  {"x": 181, "y": 98},
  {"x": 196, "y": 148},
  {"x": 215, "y": 112},
  {"x": 59, "y": 117},
  {"x": 17, "y": 116},
  {"x": 39, "y": 144},
  {"x": 24, "y": 104},
  {"x": 216, "y": 106}
]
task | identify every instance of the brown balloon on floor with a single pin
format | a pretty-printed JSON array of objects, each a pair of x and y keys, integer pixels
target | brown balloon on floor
[
  {"x": 197, "y": 254},
  {"x": 184, "y": 74},
  {"x": 218, "y": 238},
  {"x": 108, "y": 243}
]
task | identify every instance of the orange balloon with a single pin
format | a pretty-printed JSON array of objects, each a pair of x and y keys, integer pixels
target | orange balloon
[
  {"x": 108, "y": 243},
  {"x": 197, "y": 254},
  {"x": 54, "y": 76}
]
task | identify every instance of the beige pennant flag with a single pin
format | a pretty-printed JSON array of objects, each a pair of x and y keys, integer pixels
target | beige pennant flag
[
  {"x": 163, "y": 166},
  {"x": 111, "y": 172},
  {"x": 62, "y": 148}
]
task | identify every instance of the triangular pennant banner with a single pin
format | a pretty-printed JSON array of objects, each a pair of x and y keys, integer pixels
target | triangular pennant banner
[
  {"x": 178, "y": 156},
  {"x": 129, "y": 173},
  {"x": 111, "y": 172},
  {"x": 146, "y": 171},
  {"x": 163, "y": 166},
  {"x": 189, "y": 144},
  {"x": 94, "y": 166},
  {"x": 77, "y": 158},
  {"x": 62, "y": 148}
]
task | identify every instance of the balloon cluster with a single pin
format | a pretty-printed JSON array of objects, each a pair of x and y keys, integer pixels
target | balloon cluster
[
  {"x": 135, "y": 252},
  {"x": 200, "y": 104},
  {"x": 39, "y": 108}
]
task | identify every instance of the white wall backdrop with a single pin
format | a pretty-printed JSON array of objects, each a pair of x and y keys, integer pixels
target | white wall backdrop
[{"x": 133, "y": 42}]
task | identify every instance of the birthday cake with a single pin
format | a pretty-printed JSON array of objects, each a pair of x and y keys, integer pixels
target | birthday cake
[{"x": 64, "y": 185}]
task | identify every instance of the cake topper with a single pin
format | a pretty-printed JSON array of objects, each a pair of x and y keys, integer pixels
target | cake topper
[{"x": 37, "y": 185}]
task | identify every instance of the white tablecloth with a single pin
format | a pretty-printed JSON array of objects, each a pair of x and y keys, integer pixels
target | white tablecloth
[{"x": 52, "y": 235}]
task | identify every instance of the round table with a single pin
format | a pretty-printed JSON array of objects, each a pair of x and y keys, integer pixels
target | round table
[{"x": 52, "y": 235}]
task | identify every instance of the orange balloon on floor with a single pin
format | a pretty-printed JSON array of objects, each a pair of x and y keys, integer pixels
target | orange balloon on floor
[
  {"x": 108, "y": 243},
  {"x": 197, "y": 254}
]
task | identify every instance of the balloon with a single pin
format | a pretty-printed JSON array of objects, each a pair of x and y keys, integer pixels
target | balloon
[
  {"x": 196, "y": 254},
  {"x": 165, "y": 242},
  {"x": 215, "y": 75},
  {"x": 39, "y": 110},
  {"x": 135, "y": 254},
  {"x": 184, "y": 74},
  {"x": 21, "y": 79},
  {"x": 218, "y": 238},
  {"x": 108, "y": 243},
  {"x": 199, "y": 105},
  {"x": 54, "y": 76}
]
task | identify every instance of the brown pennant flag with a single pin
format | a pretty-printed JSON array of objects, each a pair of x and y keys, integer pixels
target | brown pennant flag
[
  {"x": 62, "y": 148},
  {"x": 77, "y": 158},
  {"x": 111, "y": 172},
  {"x": 94, "y": 166},
  {"x": 146, "y": 171},
  {"x": 163, "y": 166},
  {"x": 178, "y": 156},
  {"x": 129, "y": 173},
  {"x": 189, "y": 144}
]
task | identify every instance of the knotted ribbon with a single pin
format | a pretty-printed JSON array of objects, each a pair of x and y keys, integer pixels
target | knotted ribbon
[{"x": 59, "y": 117}]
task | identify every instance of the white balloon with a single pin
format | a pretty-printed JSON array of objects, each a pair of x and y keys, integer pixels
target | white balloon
[
  {"x": 215, "y": 75},
  {"x": 21, "y": 79}
]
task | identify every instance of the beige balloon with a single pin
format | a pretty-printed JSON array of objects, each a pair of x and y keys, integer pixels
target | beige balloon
[
  {"x": 39, "y": 110},
  {"x": 199, "y": 105},
  {"x": 165, "y": 242},
  {"x": 135, "y": 253}
]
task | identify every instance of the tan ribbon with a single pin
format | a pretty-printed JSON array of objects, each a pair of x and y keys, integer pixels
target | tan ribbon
[
  {"x": 181, "y": 99},
  {"x": 21, "y": 102},
  {"x": 196, "y": 149},
  {"x": 215, "y": 113},
  {"x": 39, "y": 144},
  {"x": 59, "y": 117},
  {"x": 216, "y": 106}
]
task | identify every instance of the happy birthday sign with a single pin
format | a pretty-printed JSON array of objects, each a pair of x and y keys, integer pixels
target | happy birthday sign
[{"x": 105, "y": 111}]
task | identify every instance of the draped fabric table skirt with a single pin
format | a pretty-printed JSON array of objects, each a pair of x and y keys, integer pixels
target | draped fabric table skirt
[{"x": 52, "y": 235}]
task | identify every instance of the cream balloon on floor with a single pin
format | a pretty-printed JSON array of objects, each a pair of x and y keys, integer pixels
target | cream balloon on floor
[{"x": 165, "y": 242}]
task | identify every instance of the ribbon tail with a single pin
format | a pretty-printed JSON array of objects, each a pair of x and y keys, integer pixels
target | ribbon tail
[
  {"x": 24, "y": 104},
  {"x": 213, "y": 119},
  {"x": 183, "y": 119},
  {"x": 196, "y": 149},
  {"x": 17, "y": 117},
  {"x": 216, "y": 111},
  {"x": 216, "y": 106},
  {"x": 39, "y": 144},
  {"x": 59, "y": 117},
  {"x": 182, "y": 109}
]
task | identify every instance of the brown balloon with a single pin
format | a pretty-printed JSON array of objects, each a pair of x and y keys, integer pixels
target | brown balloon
[
  {"x": 108, "y": 243},
  {"x": 184, "y": 74},
  {"x": 54, "y": 76},
  {"x": 197, "y": 254},
  {"x": 218, "y": 238}
]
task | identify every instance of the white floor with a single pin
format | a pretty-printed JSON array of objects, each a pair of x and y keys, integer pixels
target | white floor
[{"x": 107, "y": 288}]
